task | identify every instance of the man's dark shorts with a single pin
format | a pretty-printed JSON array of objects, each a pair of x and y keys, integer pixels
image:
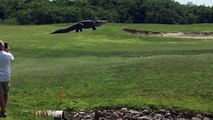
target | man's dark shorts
[{"x": 4, "y": 87}]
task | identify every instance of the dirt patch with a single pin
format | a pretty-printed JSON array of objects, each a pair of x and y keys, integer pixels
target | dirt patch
[
  {"x": 175, "y": 35},
  {"x": 133, "y": 31}
]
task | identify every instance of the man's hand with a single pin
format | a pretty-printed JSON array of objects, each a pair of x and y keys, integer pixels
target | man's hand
[{"x": 7, "y": 49}]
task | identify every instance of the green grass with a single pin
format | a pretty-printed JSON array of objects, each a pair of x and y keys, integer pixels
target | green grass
[{"x": 109, "y": 68}]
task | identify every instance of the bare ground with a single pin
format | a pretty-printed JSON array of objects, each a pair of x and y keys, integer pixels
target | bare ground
[{"x": 175, "y": 35}]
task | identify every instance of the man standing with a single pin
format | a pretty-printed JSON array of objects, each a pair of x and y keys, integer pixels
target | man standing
[{"x": 5, "y": 58}]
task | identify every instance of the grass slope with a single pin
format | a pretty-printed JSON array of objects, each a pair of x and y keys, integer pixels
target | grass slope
[{"x": 108, "y": 68}]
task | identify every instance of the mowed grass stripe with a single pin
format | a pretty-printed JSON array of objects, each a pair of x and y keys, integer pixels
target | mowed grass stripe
[{"x": 140, "y": 76}]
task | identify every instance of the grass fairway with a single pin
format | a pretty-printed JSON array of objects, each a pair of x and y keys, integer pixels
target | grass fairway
[{"x": 109, "y": 68}]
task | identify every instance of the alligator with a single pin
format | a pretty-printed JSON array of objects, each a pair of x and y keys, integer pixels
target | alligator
[{"x": 86, "y": 24}]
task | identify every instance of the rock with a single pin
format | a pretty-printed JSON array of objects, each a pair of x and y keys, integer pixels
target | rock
[
  {"x": 102, "y": 118},
  {"x": 146, "y": 112},
  {"x": 88, "y": 117},
  {"x": 158, "y": 116},
  {"x": 119, "y": 113},
  {"x": 140, "y": 114},
  {"x": 205, "y": 118},
  {"x": 98, "y": 114},
  {"x": 182, "y": 119},
  {"x": 144, "y": 118},
  {"x": 134, "y": 112},
  {"x": 114, "y": 116},
  {"x": 163, "y": 111},
  {"x": 127, "y": 117},
  {"x": 82, "y": 113},
  {"x": 168, "y": 115},
  {"x": 194, "y": 118},
  {"x": 124, "y": 109},
  {"x": 76, "y": 115},
  {"x": 198, "y": 116}
]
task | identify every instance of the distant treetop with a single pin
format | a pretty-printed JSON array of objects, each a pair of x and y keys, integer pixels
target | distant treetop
[{"x": 122, "y": 11}]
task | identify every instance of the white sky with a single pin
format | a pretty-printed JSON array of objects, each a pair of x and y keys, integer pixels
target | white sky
[{"x": 197, "y": 2}]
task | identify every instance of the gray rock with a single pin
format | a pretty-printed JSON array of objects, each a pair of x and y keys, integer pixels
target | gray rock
[
  {"x": 158, "y": 116},
  {"x": 127, "y": 117},
  {"x": 163, "y": 111},
  {"x": 146, "y": 112},
  {"x": 114, "y": 116},
  {"x": 198, "y": 116},
  {"x": 124, "y": 109},
  {"x": 205, "y": 118},
  {"x": 88, "y": 117},
  {"x": 144, "y": 118},
  {"x": 102, "y": 118},
  {"x": 194, "y": 118}
]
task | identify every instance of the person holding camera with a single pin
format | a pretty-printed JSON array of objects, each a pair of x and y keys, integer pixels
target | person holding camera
[{"x": 5, "y": 58}]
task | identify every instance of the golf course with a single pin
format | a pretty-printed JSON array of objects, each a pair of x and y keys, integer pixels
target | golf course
[{"x": 108, "y": 68}]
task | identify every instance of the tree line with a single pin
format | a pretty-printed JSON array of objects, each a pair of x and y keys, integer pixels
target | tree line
[{"x": 122, "y": 11}]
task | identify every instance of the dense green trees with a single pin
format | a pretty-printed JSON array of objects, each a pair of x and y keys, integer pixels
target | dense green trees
[{"x": 131, "y": 11}]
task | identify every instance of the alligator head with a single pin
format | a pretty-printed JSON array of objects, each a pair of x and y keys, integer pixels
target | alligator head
[{"x": 99, "y": 22}]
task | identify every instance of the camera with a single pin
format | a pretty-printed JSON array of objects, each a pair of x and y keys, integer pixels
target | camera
[{"x": 5, "y": 45}]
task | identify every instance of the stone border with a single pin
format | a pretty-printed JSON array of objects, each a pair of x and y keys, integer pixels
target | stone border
[{"x": 132, "y": 114}]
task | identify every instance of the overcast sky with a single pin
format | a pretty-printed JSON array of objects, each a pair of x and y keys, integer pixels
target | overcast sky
[{"x": 197, "y": 2}]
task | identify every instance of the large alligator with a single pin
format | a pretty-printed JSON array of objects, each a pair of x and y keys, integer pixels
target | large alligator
[{"x": 86, "y": 24}]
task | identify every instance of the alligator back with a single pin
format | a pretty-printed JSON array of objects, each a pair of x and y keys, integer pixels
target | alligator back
[{"x": 88, "y": 23}]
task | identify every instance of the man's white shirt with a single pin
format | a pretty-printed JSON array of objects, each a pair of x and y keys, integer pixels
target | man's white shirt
[{"x": 5, "y": 59}]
